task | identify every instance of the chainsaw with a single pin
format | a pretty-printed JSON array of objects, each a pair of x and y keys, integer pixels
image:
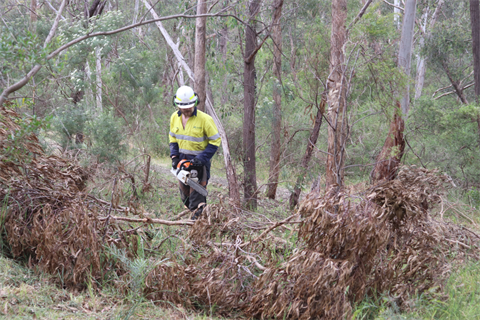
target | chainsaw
[{"x": 189, "y": 176}]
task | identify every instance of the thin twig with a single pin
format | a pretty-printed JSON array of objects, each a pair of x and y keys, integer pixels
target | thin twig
[
  {"x": 276, "y": 225},
  {"x": 110, "y": 209}
]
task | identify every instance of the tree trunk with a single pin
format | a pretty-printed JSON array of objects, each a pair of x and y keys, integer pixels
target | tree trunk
[
  {"x": 312, "y": 140},
  {"x": 250, "y": 175},
  {"x": 33, "y": 15},
  {"x": 420, "y": 78},
  {"x": 406, "y": 46},
  {"x": 98, "y": 91},
  {"x": 233, "y": 189},
  {"x": 475, "y": 23},
  {"x": 337, "y": 129},
  {"x": 199, "y": 67},
  {"x": 422, "y": 64},
  {"x": 389, "y": 158},
  {"x": 275, "y": 150},
  {"x": 397, "y": 13}
]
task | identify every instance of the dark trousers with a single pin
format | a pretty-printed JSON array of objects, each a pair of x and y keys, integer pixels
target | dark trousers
[{"x": 191, "y": 198}]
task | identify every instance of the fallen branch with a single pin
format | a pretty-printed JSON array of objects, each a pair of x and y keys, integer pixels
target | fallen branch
[
  {"x": 118, "y": 208},
  {"x": 182, "y": 214},
  {"x": 151, "y": 221}
]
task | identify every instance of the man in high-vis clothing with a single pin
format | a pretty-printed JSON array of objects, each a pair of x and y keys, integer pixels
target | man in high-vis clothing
[{"x": 193, "y": 136}]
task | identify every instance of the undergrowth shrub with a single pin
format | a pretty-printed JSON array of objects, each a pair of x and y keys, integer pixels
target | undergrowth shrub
[
  {"x": 69, "y": 126},
  {"x": 107, "y": 137}
]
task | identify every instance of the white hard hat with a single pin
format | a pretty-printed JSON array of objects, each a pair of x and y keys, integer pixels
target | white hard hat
[{"x": 185, "y": 98}]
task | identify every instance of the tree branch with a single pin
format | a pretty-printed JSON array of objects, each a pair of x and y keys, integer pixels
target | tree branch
[
  {"x": 21, "y": 83},
  {"x": 359, "y": 15},
  {"x": 391, "y": 4},
  {"x": 150, "y": 221}
]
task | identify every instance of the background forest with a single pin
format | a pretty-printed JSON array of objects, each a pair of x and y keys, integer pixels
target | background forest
[{"x": 309, "y": 95}]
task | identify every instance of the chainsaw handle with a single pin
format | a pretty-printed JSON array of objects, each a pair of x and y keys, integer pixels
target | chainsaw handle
[{"x": 184, "y": 164}]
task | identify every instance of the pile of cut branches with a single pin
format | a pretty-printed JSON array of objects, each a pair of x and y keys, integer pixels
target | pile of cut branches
[
  {"x": 47, "y": 216},
  {"x": 347, "y": 247}
]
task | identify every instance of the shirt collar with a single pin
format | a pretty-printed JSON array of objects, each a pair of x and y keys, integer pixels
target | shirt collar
[{"x": 194, "y": 112}]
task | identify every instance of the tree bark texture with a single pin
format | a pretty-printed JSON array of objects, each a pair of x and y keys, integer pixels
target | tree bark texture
[
  {"x": 275, "y": 150},
  {"x": 199, "y": 68},
  {"x": 98, "y": 89},
  {"x": 389, "y": 158},
  {"x": 338, "y": 128},
  {"x": 406, "y": 46},
  {"x": 33, "y": 13},
  {"x": 397, "y": 13},
  {"x": 475, "y": 23},
  {"x": 250, "y": 175},
  {"x": 422, "y": 63},
  {"x": 312, "y": 140}
]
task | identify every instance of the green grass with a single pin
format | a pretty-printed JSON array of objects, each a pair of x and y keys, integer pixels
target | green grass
[
  {"x": 459, "y": 300},
  {"x": 25, "y": 294}
]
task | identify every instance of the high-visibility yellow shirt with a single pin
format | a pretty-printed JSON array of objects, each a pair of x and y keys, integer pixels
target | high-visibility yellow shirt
[{"x": 199, "y": 131}]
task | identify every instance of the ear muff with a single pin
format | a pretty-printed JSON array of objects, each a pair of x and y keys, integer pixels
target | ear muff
[
  {"x": 173, "y": 101},
  {"x": 198, "y": 100}
]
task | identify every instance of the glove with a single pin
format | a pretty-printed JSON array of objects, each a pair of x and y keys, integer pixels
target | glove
[
  {"x": 196, "y": 162},
  {"x": 175, "y": 162}
]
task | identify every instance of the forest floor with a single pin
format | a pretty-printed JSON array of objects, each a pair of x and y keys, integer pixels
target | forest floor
[{"x": 28, "y": 293}]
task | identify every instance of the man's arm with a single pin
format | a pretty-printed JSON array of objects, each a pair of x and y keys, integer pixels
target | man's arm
[
  {"x": 214, "y": 141},
  {"x": 174, "y": 149}
]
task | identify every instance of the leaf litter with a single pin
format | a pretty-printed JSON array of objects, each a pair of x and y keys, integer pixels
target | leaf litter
[{"x": 348, "y": 245}]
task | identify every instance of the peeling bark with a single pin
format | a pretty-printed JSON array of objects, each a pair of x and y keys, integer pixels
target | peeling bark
[
  {"x": 392, "y": 152},
  {"x": 337, "y": 129}
]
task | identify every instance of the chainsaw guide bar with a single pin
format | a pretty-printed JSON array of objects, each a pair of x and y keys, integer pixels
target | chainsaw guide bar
[{"x": 184, "y": 177}]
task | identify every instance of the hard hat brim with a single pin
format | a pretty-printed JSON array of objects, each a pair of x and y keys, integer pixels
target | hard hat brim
[{"x": 185, "y": 106}]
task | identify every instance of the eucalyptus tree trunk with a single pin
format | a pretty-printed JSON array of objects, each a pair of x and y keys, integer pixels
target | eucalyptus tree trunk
[
  {"x": 33, "y": 14},
  {"x": 275, "y": 150},
  {"x": 406, "y": 48},
  {"x": 338, "y": 127},
  {"x": 389, "y": 158},
  {"x": 199, "y": 67},
  {"x": 397, "y": 12},
  {"x": 475, "y": 23},
  {"x": 312, "y": 140},
  {"x": 422, "y": 63},
  {"x": 250, "y": 174},
  {"x": 98, "y": 91}
]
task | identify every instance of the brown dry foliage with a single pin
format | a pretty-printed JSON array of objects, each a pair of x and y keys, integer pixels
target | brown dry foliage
[
  {"x": 383, "y": 241},
  {"x": 349, "y": 247},
  {"x": 47, "y": 217}
]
